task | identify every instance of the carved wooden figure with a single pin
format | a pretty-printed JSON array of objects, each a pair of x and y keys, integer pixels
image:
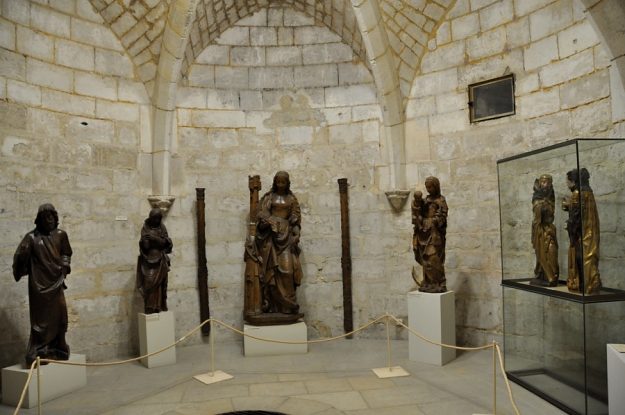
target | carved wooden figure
[
  {"x": 153, "y": 263},
  {"x": 583, "y": 228},
  {"x": 273, "y": 268},
  {"x": 45, "y": 255},
  {"x": 544, "y": 238},
  {"x": 429, "y": 217}
]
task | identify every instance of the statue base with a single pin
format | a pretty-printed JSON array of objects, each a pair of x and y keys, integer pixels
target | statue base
[
  {"x": 291, "y": 333},
  {"x": 434, "y": 316},
  {"x": 616, "y": 378},
  {"x": 272, "y": 319},
  {"x": 56, "y": 380},
  {"x": 155, "y": 332}
]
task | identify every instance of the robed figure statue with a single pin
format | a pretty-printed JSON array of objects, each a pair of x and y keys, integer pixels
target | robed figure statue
[
  {"x": 544, "y": 238},
  {"x": 273, "y": 268},
  {"x": 583, "y": 228},
  {"x": 153, "y": 263},
  {"x": 429, "y": 217},
  {"x": 45, "y": 255}
]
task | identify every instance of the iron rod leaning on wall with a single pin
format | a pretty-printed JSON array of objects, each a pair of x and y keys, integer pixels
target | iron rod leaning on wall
[
  {"x": 346, "y": 259},
  {"x": 202, "y": 270}
]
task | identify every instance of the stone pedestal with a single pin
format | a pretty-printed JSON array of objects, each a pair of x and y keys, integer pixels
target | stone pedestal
[
  {"x": 433, "y": 316},
  {"x": 56, "y": 380},
  {"x": 287, "y": 332},
  {"x": 155, "y": 332},
  {"x": 616, "y": 378}
]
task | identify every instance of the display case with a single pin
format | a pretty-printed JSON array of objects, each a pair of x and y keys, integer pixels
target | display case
[{"x": 562, "y": 213}]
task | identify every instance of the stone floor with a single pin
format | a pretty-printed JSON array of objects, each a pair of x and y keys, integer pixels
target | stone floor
[{"x": 332, "y": 378}]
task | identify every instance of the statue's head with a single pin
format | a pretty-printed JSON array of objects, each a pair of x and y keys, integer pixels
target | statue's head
[
  {"x": 281, "y": 182},
  {"x": 155, "y": 217},
  {"x": 545, "y": 181},
  {"x": 47, "y": 218},
  {"x": 433, "y": 186},
  {"x": 579, "y": 178}
]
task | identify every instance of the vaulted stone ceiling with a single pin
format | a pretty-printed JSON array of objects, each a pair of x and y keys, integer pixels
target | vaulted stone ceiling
[
  {"x": 213, "y": 17},
  {"x": 407, "y": 26},
  {"x": 139, "y": 25}
]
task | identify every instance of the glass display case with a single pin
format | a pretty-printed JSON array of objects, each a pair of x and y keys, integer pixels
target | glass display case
[{"x": 562, "y": 213}]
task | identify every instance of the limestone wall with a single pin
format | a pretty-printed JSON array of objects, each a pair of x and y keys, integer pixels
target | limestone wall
[
  {"x": 562, "y": 82},
  {"x": 276, "y": 92},
  {"x": 74, "y": 123}
]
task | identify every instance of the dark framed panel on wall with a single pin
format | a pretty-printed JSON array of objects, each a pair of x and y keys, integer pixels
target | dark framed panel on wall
[{"x": 492, "y": 99}]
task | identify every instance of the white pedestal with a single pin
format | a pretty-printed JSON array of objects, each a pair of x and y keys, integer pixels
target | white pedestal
[
  {"x": 155, "y": 332},
  {"x": 616, "y": 378},
  {"x": 56, "y": 380},
  {"x": 287, "y": 332},
  {"x": 433, "y": 316}
]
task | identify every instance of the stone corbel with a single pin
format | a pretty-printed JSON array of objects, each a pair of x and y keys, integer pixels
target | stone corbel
[
  {"x": 163, "y": 202},
  {"x": 397, "y": 199}
]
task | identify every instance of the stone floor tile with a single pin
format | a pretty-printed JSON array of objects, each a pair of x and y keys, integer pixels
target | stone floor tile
[
  {"x": 297, "y": 406},
  {"x": 199, "y": 392},
  {"x": 328, "y": 385},
  {"x": 369, "y": 382},
  {"x": 395, "y": 410},
  {"x": 278, "y": 389},
  {"x": 455, "y": 407},
  {"x": 260, "y": 403},
  {"x": 343, "y": 401}
]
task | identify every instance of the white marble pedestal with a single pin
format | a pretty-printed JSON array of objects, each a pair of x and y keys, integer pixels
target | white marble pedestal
[
  {"x": 432, "y": 315},
  {"x": 616, "y": 378},
  {"x": 155, "y": 332},
  {"x": 287, "y": 332},
  {"x": 56, "y": 380}
]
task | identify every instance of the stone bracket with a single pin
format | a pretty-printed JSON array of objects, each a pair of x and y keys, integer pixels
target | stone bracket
[
  {"x": 163, "y": 202},
  {"x": 397, "y": 199}
]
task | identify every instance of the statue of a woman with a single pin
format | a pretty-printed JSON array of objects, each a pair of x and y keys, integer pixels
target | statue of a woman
[
  {"x": 544, "y": 239},
  {"x": 277, "y": 246},
  {"x": 583, "y": 229},
  {"x": 429, "y": 217},
  {"x": 45, "y": 255},
  {"x": 153, "y": 263}
]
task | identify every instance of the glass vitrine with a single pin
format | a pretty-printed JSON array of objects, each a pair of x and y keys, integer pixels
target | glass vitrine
[{"x": 562, "y": 213}]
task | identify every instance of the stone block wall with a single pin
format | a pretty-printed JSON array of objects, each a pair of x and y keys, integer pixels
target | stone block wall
[
  {"x": 277, "y": 92},
  {"x": 562, "y": 91},
  {"x": 74, "y": 128}
]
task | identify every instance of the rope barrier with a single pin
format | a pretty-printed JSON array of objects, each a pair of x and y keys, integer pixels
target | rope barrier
[{"x": 36, "y": 364}]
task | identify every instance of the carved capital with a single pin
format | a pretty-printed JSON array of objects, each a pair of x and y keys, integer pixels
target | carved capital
[
  {"x": 163, "y": 202},
  {"x": 397, "y": 199}
]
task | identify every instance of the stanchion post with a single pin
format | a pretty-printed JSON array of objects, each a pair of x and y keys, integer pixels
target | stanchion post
[
  {"x": 38, "y": 385},
  {"x": 388, "y": 343},
  {"x": 494, "y": 377},
  {"x": 212, "y": 373}
]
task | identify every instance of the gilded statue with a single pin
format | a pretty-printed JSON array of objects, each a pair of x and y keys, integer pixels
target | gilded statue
[
  {"x": 429, "y": 217},
  {"x": 153, "y": 263},
  {"x": 273, "y": 268},
  {"x": 583, "y": 229},
  {"x": 45, "y": 256},
  {"x": 544, "y": 238}
]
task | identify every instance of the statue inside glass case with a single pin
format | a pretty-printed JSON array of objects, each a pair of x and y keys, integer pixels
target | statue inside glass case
[
  {"x": 544, "y": 238},
  {"x": 45, "y": 256},
  {"x": 273, "y": 245},
  {"x": 429, "y": 217},
  {"x": 153, "y": 263},
  {"x": 583, "y": 228}
]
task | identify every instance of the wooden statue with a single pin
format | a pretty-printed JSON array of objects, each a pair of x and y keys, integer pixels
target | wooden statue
[
  {"x": 273, "y": 269},
  {"x": 45, "y": 255},
  {"x": 153, "y": 263},
  {"x": 583, "y": 229},
  {"x": 544, "y": 238},
  {"x": 429, "y": 217}
]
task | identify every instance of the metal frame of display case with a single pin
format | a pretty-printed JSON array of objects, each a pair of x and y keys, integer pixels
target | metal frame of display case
[{"x": 593, "y": 402}]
